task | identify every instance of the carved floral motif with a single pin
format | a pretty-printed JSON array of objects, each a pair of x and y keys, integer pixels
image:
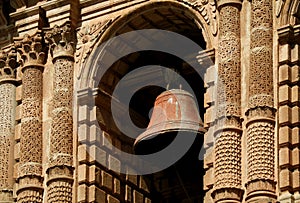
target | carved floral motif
[
  {"x": 31, "y": 49},
  {"x": 87, "y": 38},
  {"x": 8, "y": 64},
  {"x": 61, "y": 40},
  {"x": 207, "y": 9}
]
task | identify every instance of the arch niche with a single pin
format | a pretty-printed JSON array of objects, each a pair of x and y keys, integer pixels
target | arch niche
[{"x": 94, "y": 96}]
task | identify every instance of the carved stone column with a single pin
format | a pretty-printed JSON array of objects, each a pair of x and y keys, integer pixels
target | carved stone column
[
  {"x": 8, "y": 64},
  {"x": 60, "y": 171},
  {"x": 31, "y": 144},
  {"x": 261, "y": 113},
  {"x": 227, "y": 166}
]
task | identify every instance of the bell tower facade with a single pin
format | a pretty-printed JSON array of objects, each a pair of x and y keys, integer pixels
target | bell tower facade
[{"x": 80, "y": 81}]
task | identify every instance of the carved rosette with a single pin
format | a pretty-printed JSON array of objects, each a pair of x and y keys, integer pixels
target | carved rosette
[
  {"x": 32, "y": 52},
  {"x": 8, "y": 65},
  {"x": 227, "y": 164},
  {"x": 260, "y": 125},
  {"x": 60, "y": 172}
]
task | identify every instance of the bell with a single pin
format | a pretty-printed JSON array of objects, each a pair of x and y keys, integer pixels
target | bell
[{"x": 174, "y": 111}]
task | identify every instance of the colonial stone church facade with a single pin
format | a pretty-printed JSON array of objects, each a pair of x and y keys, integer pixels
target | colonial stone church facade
[{"x": 59, "y": 141}]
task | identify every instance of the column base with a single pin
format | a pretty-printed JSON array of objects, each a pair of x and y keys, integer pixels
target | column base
[
  {"x": 226, "y": 195},
  {"x": 261, "y": 191}
]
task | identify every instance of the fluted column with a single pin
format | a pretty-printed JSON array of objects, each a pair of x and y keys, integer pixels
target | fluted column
[
  {"x": 8, "y": 64},
  {"x": 31, "y": 143},
  {"x": 260, "y": 114},
  {"x": 60, "y": 171},
  {"x": 227, "y": 166}
]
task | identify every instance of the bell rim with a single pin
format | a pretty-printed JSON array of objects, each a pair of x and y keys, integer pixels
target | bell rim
[{"x": 199, "y": 130}]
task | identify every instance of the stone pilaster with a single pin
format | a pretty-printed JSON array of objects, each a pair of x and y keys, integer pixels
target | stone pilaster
[
  {"x": 60, "y": 172},
  {"x": 289, "y": 113},
  {"x": 227, "y": 166},
  {"x": 261, "y": 113},
  {"x": 30, "y": 177},
  {"x": 8, "y": 64}
]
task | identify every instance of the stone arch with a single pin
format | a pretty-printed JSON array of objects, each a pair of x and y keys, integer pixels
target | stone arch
[
  {"x": 110, "y": 30},
  {"x": 288, "y": 12},
  {"x": 87, "y": 87}
]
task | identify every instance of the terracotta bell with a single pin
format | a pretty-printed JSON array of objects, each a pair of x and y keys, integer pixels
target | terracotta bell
[{"x": 174, "y": 110}]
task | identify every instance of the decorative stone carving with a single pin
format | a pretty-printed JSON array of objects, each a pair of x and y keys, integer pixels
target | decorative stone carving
[
  {"x": 32, "y": 52},
  {"x": 87, "y": 37},
  {"x": 60, "y": 172},
  {"x": 260, "y": 125},
  {"x": 207, "y": 9},
  {"x": 8, "y": 65},
  {"x": 228, "y": 135}
]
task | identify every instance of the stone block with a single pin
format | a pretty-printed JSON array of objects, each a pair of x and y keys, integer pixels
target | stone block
[
  {"x": 19, "y": 93},
  {"x": 296, "y": 116},
  {"x": 19, "y": 112},
  {"x": 295, "y": 75},
  {"x": 83, "y": 173},
  {"x": 296, "y": 136},
  {"x": 114, "y": 164},
  {"x": 284, "y": 156},
  {"x": 284, "y": 136},
  {"x": 106, "y": 180},
  {"x": 83, "y": 133},
  {"x": 117, "y": 186},
  {"x": 97, "y": 155},
  {"x": 285, "y": 179},
  {"x": 147, "y": 200},
  {"x": 284, "y": 74},
  {"x": 143, "y": 185},
  {"x": 83, "y": 154},
  {"x": 96, "y": 195},
  {"x": 17, "y": 132},
  {"x": 296, "y": 179},
  {"x": 83, "y": 113},
  {"x": 285, "y": 53},
  {"x": 128, "y": 193},
  {"x": 137, "y": 197},
  {"x": 95, "y": 135},
  {"x": 284, "y": 94},
  {"x": 112, "y": 199},
  {"x": 82, "y": 193},
  {"x": 132, "y": 178},
  {"x": 17, "y": 151},
  {"x": 284, "y": 115},
  {"x": 295, "y": 157},
  {"x": 295, "y": 95}
]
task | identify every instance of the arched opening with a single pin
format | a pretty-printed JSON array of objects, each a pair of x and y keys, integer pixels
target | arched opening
[{"x": 171, "y": 184}]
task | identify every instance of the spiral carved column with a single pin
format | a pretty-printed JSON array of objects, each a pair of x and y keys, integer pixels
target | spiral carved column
[
  {"x": 31, "y": 145},
  {"x": 8, "y": 64},
  {"x": 60, "y": 171},
  {"x": 261, "y": 113},
  {"x": 227, "y": 166}
]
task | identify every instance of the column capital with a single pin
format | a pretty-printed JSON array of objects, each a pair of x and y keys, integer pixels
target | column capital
[
  {"x": 8, "y": 64},
  {"x": 61, "y": 40},
  {"x": 32, "y": 50}
]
